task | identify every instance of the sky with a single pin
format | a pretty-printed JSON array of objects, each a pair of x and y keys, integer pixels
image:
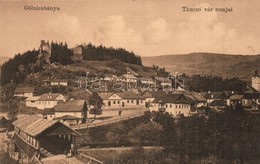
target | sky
[{"x": 146, "y": 27}]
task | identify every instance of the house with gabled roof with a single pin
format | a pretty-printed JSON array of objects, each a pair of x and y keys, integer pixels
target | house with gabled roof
[
  {"x": 24, "y": 92},
  {"x": 164, "y": 82},
  {"x": 126, "y": 99},
  {"x": 251, "y": 100},
  {"x": 35, "y": 135},
  {"x": 211, "y": 96},
  {"x": 49, "y": 100},
  {"x": 71, "y": 112},
  {"x": 173, "y": 103},
  {"x": 177, "y": 103},
  {"x": 59, "y": 82},
  {"x": 31, "y": 101}
]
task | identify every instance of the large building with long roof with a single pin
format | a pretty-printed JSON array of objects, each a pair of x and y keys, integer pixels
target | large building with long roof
[{"x": 35, "y": 135}]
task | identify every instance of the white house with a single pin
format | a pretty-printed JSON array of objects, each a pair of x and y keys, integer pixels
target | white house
[
  {"x": 59, "y": 82},
  {"x": 149, "y": 81},
  {"x": 127, "y": 99},
  {"x": 178, "y": 103},
  {"x": 164, "y": 82},
  {"x": 31, "y": 101},
  {"x": 24, "y": 92},
  {"x": 49, "y": 100}
]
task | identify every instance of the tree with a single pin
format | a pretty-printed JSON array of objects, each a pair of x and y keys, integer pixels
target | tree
[{"x": 96, "y": 101}]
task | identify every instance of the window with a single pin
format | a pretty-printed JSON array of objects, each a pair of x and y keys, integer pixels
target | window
[
  {"x": 118, "y": 102},
  {"x": 170, "y": 105},
  {"x": 166, "y": 106},
  {"x": 132, "y": 101},
  {"x": 127, "y": 101},
  {"x": 176, "y": 106},
  {"x": 114, "y": 102}
]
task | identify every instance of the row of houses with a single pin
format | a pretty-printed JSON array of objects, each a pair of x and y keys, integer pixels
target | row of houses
[
  {"x": 30, "y": 91},
  {"x": 174, "y": 103}
]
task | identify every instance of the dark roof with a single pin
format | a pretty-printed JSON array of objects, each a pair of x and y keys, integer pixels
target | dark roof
[
  {"x": 176, "y": 98},
  {"x": 195, "y": 96},
  {"x": 67, "y": 117},
  {"x": 153, "y": 94},
  {"x": 251, "y": 89},
  {"x": 80, "y": 95},
  {"x": 59, "y": 80},
  {"x": 34, "y": 125},
  {"x": 254, "y": 95},
  {"x": 70, "y": 106},
  {"x": 163, "y": 79},
  {"x": 24, "y": 90},
  {"x": 48, "y": 96},
  {"x": 218, "y": 103},
  {"x": 215, "y": 95},
  {"x": 179, "y": 97},
  {"x": 48, "y": 111}
]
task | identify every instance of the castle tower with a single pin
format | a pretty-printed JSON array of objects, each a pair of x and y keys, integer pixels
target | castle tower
[
  {"x": 45, "y": 51},
  {"x": 256, "y": 81}
]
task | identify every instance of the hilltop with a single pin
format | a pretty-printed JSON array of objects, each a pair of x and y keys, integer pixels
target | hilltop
[
  {"x": 56, "y": 60},
  {"x": 21, "y": 66},
  {"x": 3, "y": 59},
  {"x": 241, "y": 66}
]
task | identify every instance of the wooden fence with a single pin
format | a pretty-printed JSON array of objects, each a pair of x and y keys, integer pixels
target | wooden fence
[
  {"x": 109, "y": 121},
  {"x": 88, "y": 159}
]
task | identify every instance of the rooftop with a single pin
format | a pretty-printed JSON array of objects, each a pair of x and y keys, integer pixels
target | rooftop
[
  {"x": 24, "y": 90},
  {"x": 48, "y": 96},
  {"x": 34, "y": 125},
  {"x": 71, "y": 106}
]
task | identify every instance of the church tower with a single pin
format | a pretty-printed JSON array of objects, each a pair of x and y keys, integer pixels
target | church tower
[{"x": 256, "y": 81}]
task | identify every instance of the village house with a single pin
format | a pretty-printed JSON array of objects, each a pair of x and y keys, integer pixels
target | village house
[
  {"x": 110, "y": 77},
  {"x": 71, "y": 112},
  {"x": 149, "y": 81},
  {"x": 127, "y": 99},
  {"x": 178, "y": 103},
  {"x": 31, "y": 101},
  {"x": 164, "y": 82},
  {"x": 34, "y": 135},
  {"x": 251, "y": 101},
  {"x": 235, "y": 99},
  {"x": 128, "y": 78},
  {"x": 174, "y": 104},
  {"x": 49, "y": 100},
  {"x": 24, "y": 92},
  {"x": 211, "y": 96},
  {"x": 59, "y": 82}
]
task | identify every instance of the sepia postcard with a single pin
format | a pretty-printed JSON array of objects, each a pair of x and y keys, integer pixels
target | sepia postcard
[{"x": 130, "y": 82}]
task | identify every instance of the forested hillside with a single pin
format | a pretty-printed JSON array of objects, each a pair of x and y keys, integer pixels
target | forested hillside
[
  {"x": 102, "y": 53},
  {"x": 18, "y": 68}
]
